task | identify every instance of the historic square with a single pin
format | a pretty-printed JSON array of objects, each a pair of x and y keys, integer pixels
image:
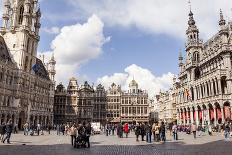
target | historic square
[{"x": 115, "y": 77}]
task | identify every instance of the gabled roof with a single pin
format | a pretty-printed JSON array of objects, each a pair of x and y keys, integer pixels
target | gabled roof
[
  {"x": 41, "y": 70},
  {"x": 4, "y": 53}
]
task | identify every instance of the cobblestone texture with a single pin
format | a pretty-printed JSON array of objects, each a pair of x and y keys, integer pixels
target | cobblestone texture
[{"x": 112, "y": 145}]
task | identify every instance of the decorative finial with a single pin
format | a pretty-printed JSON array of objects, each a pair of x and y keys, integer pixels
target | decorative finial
[
  {"x": 190, "y": 7},
  {"x": 222, "y": 20}
]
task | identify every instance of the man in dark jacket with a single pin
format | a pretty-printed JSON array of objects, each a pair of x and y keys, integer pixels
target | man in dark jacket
[
  {"x": 88, "y": 130},
  {"x": 9, "y": 129},
  {"x": 2, "y": 130},
  {"x": 143, "y": 132},
  {"x": 162, "y": 132},
  {"x": 148, "y": 132}
]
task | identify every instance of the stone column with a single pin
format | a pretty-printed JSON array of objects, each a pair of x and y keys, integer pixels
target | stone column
[
  {"x": 222, "y": 112},
  {"x": 215, "y": 116},
  {"x": 208, "y": 116},
  {"x": 197, "y": 117},
  {"x": 216, "y": 87},
  {"x": 200, "y": 92},
  {"x": 219, "y": 86},
  {"x": 211, "y": 88},
  {"x": 184, "y": 117},
  {"x": 195, "y": 93},
  {"x": 191, "y": 115}
]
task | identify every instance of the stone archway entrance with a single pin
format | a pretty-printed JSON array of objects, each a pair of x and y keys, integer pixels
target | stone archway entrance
[{"x": 22, "y": 120}]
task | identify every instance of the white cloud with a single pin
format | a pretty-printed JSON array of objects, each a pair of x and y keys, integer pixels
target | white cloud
[
  {"x": 145, "y": 78},
  {"x": 157, "y": 16},
  {"x": 52, "y": 30},
  {"x": 76, "y": 45}
]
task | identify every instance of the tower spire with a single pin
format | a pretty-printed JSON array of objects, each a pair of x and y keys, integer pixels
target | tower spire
[{"x": 222, "y": 21}]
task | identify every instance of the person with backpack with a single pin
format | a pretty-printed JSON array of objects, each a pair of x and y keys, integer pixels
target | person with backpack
[{"x": 174, "y": 131}]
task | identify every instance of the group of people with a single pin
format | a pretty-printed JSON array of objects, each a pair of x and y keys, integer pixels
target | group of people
[
  {"x": 6, "y": 130},
  {"x": 143, "y": 130},
  {"x": 80, "y": 131},
  {"x": 32, "y": 129}
]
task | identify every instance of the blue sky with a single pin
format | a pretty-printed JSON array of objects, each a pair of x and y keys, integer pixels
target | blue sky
[
  {"x": 105, "y": 41},
  {"x": 156, "y": 52}
]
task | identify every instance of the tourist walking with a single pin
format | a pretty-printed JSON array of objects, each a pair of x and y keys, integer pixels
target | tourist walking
[
  {"x": 153, "y": 131},
  {"x": 73, "y": 134},
  {"x": 113, "y": 129},
  {"x": 194, "y": 130},
  {"x": 142, "y": 132},
  {"x": 26, "y": 129},
  {"x": 162, "y": 132},
  {"x": 227, "y": 131},
  {"x": 62, "y": 128},
  {"x": 137, "y": 131},
  {"x": 120, "y": 130},
  {"x": 66, "y": 129},
  {"x": 126, "y": 129},
  {"x": 88, "y": 130},
  {"x": 9, "y": 129},
  {"x": 199, "y": 130},
  {"x": 157, "y": 132},
  {"x": 58, "y": 129},
  {"x": 16, "y": 128},
  {"x": 148, "y": 132},
  {"x": 38, "y": 128},
  {"x": 210, "y": 129},
  {"x": 174, "y": 131},
  {"x": 2, "y": 131}
]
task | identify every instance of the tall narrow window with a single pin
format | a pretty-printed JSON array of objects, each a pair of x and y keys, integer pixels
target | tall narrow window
[
  {"x": 26, "y": 63},
  {"x": 21, "y": 15}
]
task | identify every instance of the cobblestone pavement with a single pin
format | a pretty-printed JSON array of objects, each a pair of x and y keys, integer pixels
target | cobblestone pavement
[{"x": 112, "y": 145}]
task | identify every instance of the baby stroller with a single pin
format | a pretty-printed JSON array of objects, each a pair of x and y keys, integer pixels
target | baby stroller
[{"x": 80, "y": 141}]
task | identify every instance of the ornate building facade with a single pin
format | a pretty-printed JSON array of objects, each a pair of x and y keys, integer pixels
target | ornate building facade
[
  {"x": 79, "y": 103},
  {"x": 134, "y": 105},
  {"x": 100, "y": 100},
  {"x": 166, "y": 105},
  {"x": 113, "y": 103},
  {"x": 27, "y": 93},
  {"x": 204, "y": 93},
  {"x": 84, "y": 103},
  {"x": 60, "y": 102}
]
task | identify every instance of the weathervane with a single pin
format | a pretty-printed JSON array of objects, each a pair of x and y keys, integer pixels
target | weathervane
[{"x": 189, "y": 2}]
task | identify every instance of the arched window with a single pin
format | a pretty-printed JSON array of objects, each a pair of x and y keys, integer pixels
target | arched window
[
  {"x": 197, "y": 73},
  {"x": 21, "y": 15},
  {"x": 196, "y": 57}
]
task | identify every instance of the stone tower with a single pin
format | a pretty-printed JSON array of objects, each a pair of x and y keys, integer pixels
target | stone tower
[
  {"x": 194, "y": 44},
  {"x": 51, "y": 68},
  {"x": 20, "y": 29},
  {"x": 133, "y": 86},
  {"x": 194, "y": 48}
]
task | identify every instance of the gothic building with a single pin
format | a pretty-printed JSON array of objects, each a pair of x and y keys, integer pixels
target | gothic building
[
  {"x": 84, "y": 103},
  {"x": 79, "y": 103},
  {"x": 204, "y": 92},
  {"x": 26, "y": 89},
  {"x": 99, "y": 109}
]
